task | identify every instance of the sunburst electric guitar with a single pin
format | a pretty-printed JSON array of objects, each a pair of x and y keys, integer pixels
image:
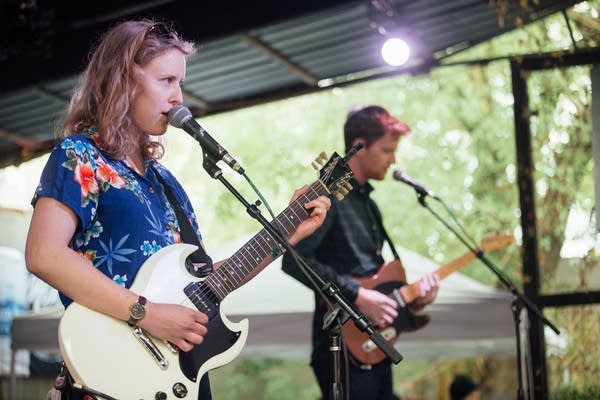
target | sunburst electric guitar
[
  {"x": 111, "y": 358},
  {"x": 389, "y": 280}
]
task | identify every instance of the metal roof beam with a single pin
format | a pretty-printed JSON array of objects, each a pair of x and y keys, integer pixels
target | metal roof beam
[{"x": 306, "y": 76}]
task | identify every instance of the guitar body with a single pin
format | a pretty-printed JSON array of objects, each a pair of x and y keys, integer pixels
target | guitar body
[
  {"x": 104, "y": 354},
  {"x": 388, "y": 280}
]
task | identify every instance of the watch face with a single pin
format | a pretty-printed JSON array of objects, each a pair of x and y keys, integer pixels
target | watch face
[{"x": 137, "y": 311}]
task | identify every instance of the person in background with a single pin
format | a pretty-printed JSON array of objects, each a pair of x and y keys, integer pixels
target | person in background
[
  {"x": 462, "y": 387},
  {"x": 101, "y": 208},
  {"x": 349, "y": 245}
]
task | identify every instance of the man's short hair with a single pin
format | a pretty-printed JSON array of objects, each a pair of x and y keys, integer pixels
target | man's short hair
[{"x": 370, "y": 123}]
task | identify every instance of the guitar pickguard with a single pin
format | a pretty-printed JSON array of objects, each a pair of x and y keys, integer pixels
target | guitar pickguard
[
  {"x": 217, "y": 340},
  {"x": 406, "y": 321}
]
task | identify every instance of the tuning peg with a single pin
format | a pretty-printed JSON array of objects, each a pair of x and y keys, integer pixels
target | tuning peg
[
  {"x": 348, "y": 186},
  {"x": 339, "y": 196},
  {"x": 319, "y": 161}
]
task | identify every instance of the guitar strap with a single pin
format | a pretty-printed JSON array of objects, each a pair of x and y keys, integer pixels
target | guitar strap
[
  {"x": 198, "y": 263},
  {"x": 379, "y": 220},
  {"x": 392, "y": 247}
]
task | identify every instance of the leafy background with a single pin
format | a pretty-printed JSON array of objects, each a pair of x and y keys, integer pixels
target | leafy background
[{"x": 462, "y": 146}]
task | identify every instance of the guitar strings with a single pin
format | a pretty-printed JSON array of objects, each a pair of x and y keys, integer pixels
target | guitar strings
[{"x": 217, "y": 283}]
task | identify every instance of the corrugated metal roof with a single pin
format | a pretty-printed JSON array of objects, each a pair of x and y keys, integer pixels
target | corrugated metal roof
[{"x": 274, "y": 52}]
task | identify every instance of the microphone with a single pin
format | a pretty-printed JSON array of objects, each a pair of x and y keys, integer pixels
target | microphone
[
  {"x": 402, "y": 177},
  {"x": 181, "y": 117}
]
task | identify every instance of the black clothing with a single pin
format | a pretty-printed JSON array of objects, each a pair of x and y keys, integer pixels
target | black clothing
[{"x": 348, "y": 244}]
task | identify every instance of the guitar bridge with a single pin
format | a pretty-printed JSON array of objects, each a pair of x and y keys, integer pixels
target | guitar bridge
[{"x": 146, "y": 342}]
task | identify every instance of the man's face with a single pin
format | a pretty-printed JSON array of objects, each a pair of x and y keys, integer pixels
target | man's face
[{"x": 376, "y": 159}]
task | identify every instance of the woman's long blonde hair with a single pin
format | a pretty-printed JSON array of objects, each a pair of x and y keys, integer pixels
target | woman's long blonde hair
[{"x": 108, "y": 86}]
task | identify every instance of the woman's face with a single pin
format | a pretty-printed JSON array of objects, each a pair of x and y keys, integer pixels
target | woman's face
[{"x": 160, "y": 89}]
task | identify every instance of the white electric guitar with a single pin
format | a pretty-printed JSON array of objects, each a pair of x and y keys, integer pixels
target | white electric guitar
[{"x": 115, "y": 361}]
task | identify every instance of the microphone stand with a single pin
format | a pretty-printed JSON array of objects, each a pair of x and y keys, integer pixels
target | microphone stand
[
  {"x": 519, "y": 301},
  {"x": 342, "y": 309}
]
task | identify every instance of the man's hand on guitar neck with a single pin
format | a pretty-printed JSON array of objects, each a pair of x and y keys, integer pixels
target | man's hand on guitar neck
[
  {"x": 428, "y": 287},
  {"x": 378, "y": 307}
]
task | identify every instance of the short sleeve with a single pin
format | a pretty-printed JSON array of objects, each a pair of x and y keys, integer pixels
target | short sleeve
[{"x": 69, "y": 177}]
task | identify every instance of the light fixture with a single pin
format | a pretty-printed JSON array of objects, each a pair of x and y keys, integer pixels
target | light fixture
[{"x": 395, "y": 52}]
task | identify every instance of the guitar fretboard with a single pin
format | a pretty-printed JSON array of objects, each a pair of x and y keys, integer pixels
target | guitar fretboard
[{"x": 237, "y": 267}]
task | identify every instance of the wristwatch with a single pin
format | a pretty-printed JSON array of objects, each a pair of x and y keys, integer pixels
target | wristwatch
[{"x": 137, "y": 311}]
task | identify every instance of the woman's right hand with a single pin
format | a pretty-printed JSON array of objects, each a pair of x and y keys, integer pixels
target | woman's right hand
[{"x": 177, "y": 324}]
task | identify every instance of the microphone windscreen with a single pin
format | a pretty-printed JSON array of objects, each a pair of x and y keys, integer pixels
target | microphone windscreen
[
  {"x": 178, "y": 115},
  {"x": 398, "y": 175}
]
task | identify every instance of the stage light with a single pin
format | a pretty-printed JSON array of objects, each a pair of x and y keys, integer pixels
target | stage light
[{"x": 395, "y": 52}]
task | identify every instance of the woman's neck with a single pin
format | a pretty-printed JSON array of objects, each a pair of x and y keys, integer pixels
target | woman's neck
[{"x": 136, "y": 162}]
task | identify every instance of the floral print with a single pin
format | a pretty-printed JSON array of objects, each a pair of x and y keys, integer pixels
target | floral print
[{"x": 123, "y": 218}]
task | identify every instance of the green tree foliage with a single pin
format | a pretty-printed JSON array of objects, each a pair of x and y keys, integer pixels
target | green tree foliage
[{"x": 462, "y": 146}]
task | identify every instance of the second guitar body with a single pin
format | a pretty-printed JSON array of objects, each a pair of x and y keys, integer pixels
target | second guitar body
[{"x": 388, "y": 280}]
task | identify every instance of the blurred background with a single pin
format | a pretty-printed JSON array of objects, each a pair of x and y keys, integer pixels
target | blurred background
[{"x": 457, "y": 93}]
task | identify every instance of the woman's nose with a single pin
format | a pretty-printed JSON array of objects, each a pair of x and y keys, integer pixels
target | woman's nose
[{"x": 177, "y": 96}]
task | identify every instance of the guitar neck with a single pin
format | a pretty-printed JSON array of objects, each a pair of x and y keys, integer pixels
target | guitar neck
[
  {"x": 411, "y": 292},
  {"x": 242, "y": 263},
  {"x": 455, "y": 265}
]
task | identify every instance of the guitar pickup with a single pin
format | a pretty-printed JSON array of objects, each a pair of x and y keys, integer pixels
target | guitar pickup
[
  {"x": 146, "y": 342},
  {"x": 398, "y": 297},
  {"x": 387, "y": 333}
]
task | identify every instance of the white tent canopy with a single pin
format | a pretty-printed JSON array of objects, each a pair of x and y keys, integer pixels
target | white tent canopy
[{"x": 468, "y": 319}]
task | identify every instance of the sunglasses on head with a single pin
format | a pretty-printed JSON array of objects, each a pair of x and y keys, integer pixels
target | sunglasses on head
[{"x": 160, "y": 29}]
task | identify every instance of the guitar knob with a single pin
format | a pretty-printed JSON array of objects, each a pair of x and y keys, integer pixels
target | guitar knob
[
  {"x": 339, "y": 196},
  {"x": 179, "y": 390},
  {"x": 160, "y": 396},
  {"x": 348, "y": 186}
]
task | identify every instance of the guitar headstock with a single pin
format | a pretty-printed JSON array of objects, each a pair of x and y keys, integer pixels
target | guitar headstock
[
  {"x": 334, "y": 173},
  {"x": 496, "y": 242}
]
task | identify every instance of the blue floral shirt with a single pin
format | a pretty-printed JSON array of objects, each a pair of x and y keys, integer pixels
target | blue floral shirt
[{"x": 122, "y": 218}]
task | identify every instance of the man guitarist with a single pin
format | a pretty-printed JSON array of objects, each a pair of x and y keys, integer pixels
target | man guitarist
[{"x": 348, "y": 245}]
